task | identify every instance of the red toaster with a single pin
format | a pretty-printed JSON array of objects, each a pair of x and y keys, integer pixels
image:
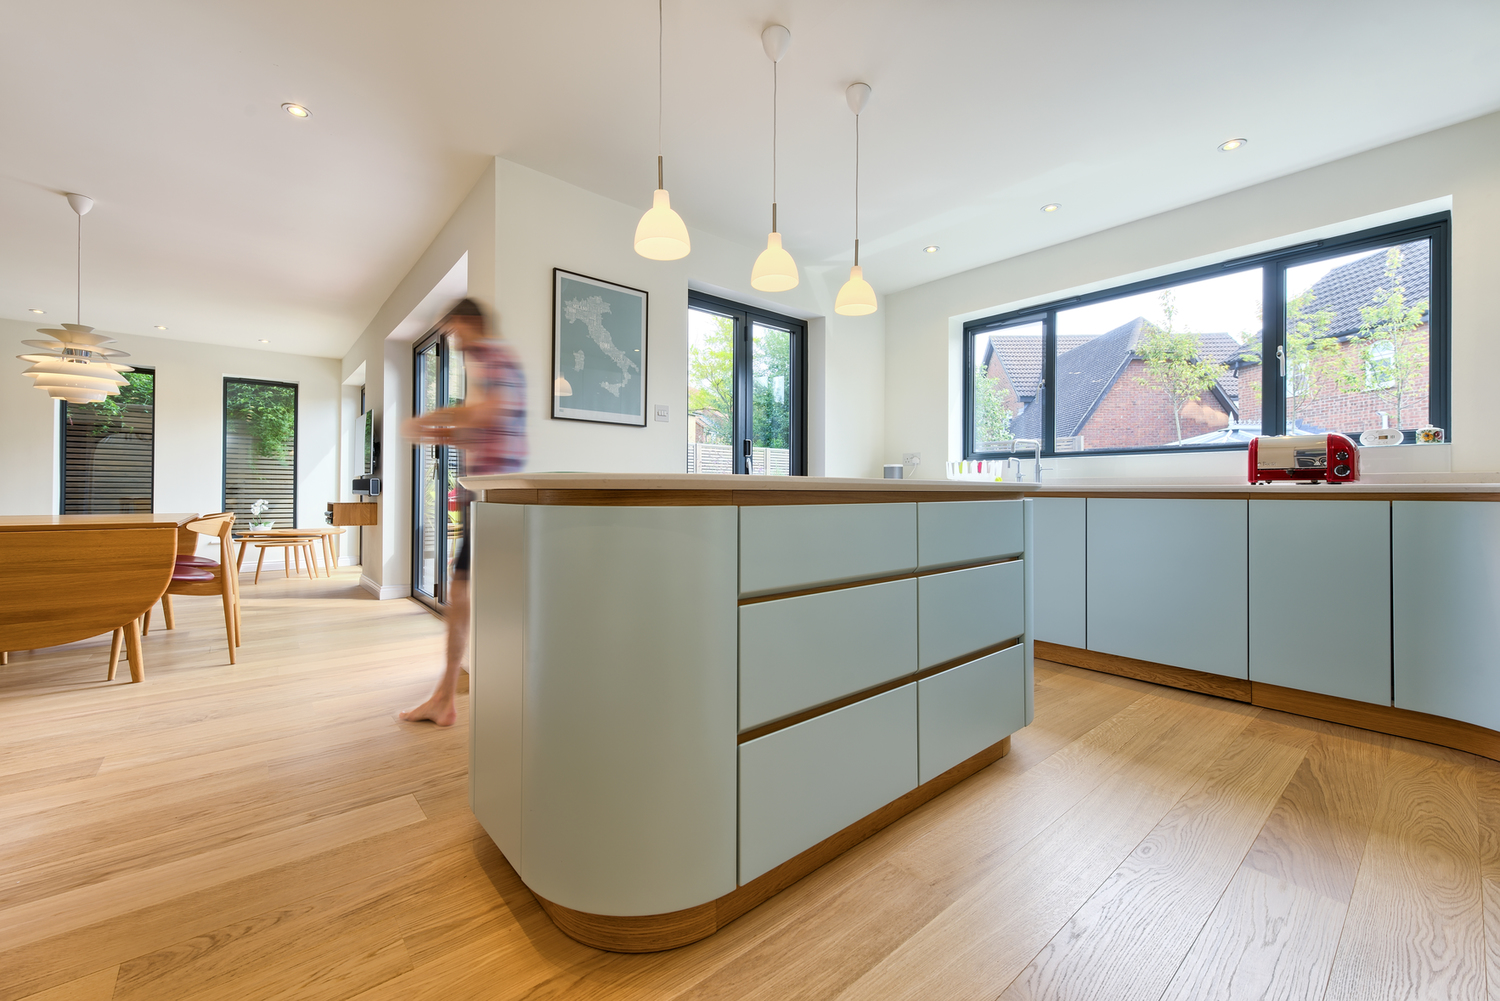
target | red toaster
[{"x": 1331, "y": 458}]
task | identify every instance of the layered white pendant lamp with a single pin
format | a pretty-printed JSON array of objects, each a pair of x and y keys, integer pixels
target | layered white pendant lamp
[
  {"x": 856, "y": 298},
  {"x": 74, "y": 365},
  {"x": 660, "y": 235},
  {"x": 774, "y": 270}
]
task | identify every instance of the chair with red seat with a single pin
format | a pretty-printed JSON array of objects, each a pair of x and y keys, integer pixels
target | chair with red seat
[{"x": 199, "y": 575}]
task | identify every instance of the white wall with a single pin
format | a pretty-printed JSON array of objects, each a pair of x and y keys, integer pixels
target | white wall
[
  {"x": 189, "y": 424},
  {"x": 1455, "y": 165},
  {"x": 515, "y": 227}
]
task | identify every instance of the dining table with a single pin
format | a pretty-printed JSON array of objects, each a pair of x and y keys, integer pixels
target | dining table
[{"x": 66, "y": 577}]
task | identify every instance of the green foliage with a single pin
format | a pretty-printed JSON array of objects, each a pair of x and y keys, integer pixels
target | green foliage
[
  {"x": 1391, "y": 359},
  {"x": 991, "y": 416},
  {"x": 140, "y": 391},
  {"x": 711, "y": 380},
  {"x": 1310, "y": 353},
  {"x": 1172, "y": 363},
  {"x": 771, "y": 397},
  {"x": 268, "y": 413}
]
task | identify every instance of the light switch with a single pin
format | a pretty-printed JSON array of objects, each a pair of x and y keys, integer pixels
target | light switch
[{"x": 663, "y": 412}]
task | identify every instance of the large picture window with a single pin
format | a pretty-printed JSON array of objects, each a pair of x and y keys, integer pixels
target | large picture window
[
  {"x": 108, "y": 450},
  {"x": 747, "y": 396},
  {"x": 1355, "y": 338},
  {"x": 260, "y": 452}
]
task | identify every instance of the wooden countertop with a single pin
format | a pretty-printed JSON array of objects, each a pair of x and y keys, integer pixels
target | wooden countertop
[
  {"x": 677, "y": 489},
  {"x": 49, "y": 522}
]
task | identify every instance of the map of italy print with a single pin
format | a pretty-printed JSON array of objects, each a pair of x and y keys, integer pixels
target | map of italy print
[{"x": 599, "y": 350}]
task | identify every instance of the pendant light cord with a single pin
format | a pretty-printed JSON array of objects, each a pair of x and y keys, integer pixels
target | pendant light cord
[
  {"x": 78, "y": 281},
  {"x": 660, "y": 20},
  {"x": 856, "y": 189},
  {"x": 775, "y": 90}
]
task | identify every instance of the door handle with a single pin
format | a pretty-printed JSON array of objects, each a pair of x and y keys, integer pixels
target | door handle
[
  {"x": 1281, "y": 359},
  {"x": 749, "y": 460}
]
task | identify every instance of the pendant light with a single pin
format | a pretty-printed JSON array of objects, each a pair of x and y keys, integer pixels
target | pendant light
[
  {"x": 73, "y": 364},
  {"x": 774, "y": 270},
  {"x": 856, "y": 298},
  {"x": 661, "y": 235}
]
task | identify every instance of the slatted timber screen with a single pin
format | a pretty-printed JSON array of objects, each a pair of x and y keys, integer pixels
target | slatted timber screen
[
  {"x": 108, "y": 450},
  {"x": 260, "y": 451}
]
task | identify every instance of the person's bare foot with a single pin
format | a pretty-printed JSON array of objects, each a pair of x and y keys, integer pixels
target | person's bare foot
[{"x": 441, "y": 712}]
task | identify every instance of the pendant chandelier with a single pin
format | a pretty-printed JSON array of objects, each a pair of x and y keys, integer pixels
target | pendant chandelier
[
  {"x": 661, "y": 234},
  {"x": 774, "y": 270},
  {"x": 856, "y": 298},
  {"x": 73, "y": 364}
]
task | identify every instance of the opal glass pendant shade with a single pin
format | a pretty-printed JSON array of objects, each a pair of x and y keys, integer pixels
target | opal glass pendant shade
[
  {"x": 561, "y": 387},
  {"x": 661, "y": 234},
  {"x": 774, "y": 270},
  {"x": 856, "y": 298}
]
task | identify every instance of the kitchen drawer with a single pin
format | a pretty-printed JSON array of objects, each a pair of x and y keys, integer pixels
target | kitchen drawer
[
  {"x": 967, "y": 610},
  {"x": 954, "y": 532},
  {"x": 796, "y": 653},
  {"x": 966, "y": 709},
  {"x": 805, "y": 545},
  {"x": 810, "y": 781}
]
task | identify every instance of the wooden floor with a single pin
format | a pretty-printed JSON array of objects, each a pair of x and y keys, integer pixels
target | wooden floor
[{"x": 269, "y": 830}]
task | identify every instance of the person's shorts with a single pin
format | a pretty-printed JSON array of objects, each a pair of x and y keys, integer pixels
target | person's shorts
[{"x": 461, "y": 563}]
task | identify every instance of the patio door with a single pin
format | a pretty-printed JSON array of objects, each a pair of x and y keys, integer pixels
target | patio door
[{"x": 437, "y": 515}]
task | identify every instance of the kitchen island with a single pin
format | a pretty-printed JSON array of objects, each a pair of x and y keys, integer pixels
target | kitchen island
[{"x": 688, "y": 692}]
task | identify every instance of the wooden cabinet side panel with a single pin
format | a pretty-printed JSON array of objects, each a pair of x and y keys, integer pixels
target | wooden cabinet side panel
[
  {"x": 809, "y": 781},
  {"x": 796, "y": 653},
  {"x": 1446, "y": 609},
  {"x": 784, "y": 548},
  {"x": 1320, "y": 597},
  {"x": 497, "y": 581},
  {"x": 950, "y": 533},
  {"x": 1168, "y": 582},
  {"x": 967, "y": 610},
  {"x": 1059, "y": 566},
  {"x": 964, "y": 710}
]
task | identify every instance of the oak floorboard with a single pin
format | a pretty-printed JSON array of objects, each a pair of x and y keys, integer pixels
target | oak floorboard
[
  {"x": 1487, "y": 804},
  {"x": 1415, "y": 926},
  {"x": 1153, "y": 906},
  {"x": 94, "y": 987},
  {"x": 1275, "y": 931}
]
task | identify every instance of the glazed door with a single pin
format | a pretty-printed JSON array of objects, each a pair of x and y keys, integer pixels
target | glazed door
[{"x": 437, "y": 512}]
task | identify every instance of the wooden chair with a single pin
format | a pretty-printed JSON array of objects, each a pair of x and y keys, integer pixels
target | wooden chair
[
  {"x": 59, "y": 587},
  {"x": 294, "y": 549},
  {"x": 202, "y": 576}
]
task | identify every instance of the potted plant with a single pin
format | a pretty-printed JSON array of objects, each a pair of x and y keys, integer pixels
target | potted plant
[{"x": 258, "y": 523}]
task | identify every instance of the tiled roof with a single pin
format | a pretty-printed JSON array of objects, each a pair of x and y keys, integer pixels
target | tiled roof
[
  {"x": 1021, "y": 357},
  {"x": 1351, "y": 286}
]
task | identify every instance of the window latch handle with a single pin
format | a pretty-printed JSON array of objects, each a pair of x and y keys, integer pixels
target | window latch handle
[{"x": 1281, "y": 360}]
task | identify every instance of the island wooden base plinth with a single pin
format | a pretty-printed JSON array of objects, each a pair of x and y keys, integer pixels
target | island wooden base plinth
[
  {"x": 658, "y": 932},
  {"x": 1365, "y": 715}
]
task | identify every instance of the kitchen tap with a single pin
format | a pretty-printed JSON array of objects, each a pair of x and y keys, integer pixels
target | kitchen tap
[{"x": 1031, "y": 443}]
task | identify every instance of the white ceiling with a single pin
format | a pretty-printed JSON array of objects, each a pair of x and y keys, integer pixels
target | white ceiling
[{"x": 229, "y": 222}]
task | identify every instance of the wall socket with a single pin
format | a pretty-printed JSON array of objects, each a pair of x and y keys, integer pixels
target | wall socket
[
  {"x": 663, "y": 412},
  {"x": 911, "y": 459}
]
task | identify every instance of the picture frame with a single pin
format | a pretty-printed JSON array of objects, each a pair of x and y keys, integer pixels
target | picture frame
[{"x": 599, "y": 350}]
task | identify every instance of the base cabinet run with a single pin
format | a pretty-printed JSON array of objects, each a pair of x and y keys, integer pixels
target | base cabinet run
[{"x": 676, "y": 707}]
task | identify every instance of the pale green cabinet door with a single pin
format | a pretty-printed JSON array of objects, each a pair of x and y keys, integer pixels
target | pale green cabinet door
[
  {"x": 1445, "y": 568},
  {"x": 966, "y": 709},
  {"x": 1320, "y": 597},
  {"x": 962, "y": 611},
  {"x": 1168, "y": 582},
  {"x": 1059, "y": 562},
  {"x": 951, "y": 533},
  {"x": 787, "y": 548}
]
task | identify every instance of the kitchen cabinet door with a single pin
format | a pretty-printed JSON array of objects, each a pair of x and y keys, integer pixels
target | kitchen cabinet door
[
  {"x": 962, "y": 611},
  {"x": 967, "y": 708},
  {"x": 1445, "y": 568},
  {"x": 1168, "y": 582},
  {"x": 1320, "y": 597},
  {"x": 1059, "y": 561}
]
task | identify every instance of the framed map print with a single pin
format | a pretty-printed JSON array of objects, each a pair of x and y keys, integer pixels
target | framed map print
[{"x": 598, "y": 350}]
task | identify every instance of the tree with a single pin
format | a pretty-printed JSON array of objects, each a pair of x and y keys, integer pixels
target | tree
[
  {"x": 1391, "y": 360},
  {"x": 268, "y": 413},
  {"x": 1310, "y": 354},
  {"x": 771, "y": 398},
  {"x": 711, "y": 380},
  {"x": 1172, "y": 364},
  {"x": 991, "y": 416}
]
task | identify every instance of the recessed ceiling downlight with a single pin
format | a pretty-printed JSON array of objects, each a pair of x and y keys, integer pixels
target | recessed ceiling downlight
[
  {"x": 931, "y": 249},
  {"x": 1232, "y": 144},
  {"x": 264, "y": 341},
  {"x": 160, "y": 327},
  {"x": 34, "y": 310},
  {"x": 1051, "y": 207},
  {"x": 295, "y": 110}
]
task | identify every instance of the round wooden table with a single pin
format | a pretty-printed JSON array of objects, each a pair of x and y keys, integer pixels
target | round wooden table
[{"x": 325, "y": 534}]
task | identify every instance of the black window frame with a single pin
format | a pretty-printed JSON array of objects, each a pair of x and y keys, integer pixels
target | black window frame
[
  {"x": 447, "y": 348},
  {"x": 224, "y": 437},
  {"x": 744, "y": 318},
  {"x": 62, "y": 444},
  {"x": 1274, "y": 264}
]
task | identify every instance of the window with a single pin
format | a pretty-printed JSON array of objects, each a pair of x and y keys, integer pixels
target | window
[
  {"x": 438, "y": 525},
  {"x": 260, "y": 452},
  {"x": 747, "y": 394},
  {"x": 108, "y": 450},
  {"x": 1185, "y": 361}
]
